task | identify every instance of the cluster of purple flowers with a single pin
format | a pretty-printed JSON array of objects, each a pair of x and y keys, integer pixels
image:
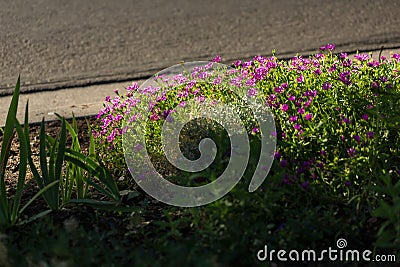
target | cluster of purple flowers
[{"x": 321, "y": 101}]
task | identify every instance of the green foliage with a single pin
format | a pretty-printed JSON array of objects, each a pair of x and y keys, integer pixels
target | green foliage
[
  {"x": 51, "y": 154},
  {"x": 10, "y": 209},
  {"x": 338, "y": 131}
]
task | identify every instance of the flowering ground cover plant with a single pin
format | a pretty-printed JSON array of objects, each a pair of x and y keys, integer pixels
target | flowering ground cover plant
[
  {"x": 337, "y": 159},
  {"x": 337, "y": 115}
]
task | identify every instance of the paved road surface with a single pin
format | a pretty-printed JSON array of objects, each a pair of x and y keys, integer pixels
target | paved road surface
[{"x": 61, "y": 44}]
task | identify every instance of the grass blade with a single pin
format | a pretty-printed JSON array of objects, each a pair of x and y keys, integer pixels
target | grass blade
[
  {"x": 23, "y": 154},
  {"x": 61, "y": 151},
  {"x": 43, "y": 154},
  {"x": 8, "y": 135},
  {"x": 38, "y": 194},
  {"x": 91, "y": 141}
]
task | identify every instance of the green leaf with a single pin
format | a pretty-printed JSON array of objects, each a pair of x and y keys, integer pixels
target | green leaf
[
  {"x": 38, "y": 194},
  {"x": 92, "y": 148},
  {"x": 35, "y": 217},
  {"x": 5, "y": 153},
  {"x": 23, "y": 154},
  {"x": 61, "y": 151},
  {"x": 43, "y": 153}
]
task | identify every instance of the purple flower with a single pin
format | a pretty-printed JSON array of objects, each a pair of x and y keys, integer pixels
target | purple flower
[
  {"x": 347, "y": 184},
  {"x": 190, "y": 85},
  {"x": 111, "y": 137},
  {"x": 300, "y": 110},
  {"x": 318, "y": 71},
  {"x": 332, "y": 68},
  {"x": 306, "y": 165},
  {"x": 250, "y": 82},
  {"x": 133, "y": 87},
  {"x": 305, "y": 185},
  {"x": 108, "y": 98},
  {"x": 166, "y": 113},
  {"x": 292, "y": 98},
  {"x": 365, "y": 117},
  {"x": 260, "y": 59},
  {"x": 260, "y": 73},
  {"x": 277, "y": 155},
  {"x": 343, "y": 55},
  {"x": 217, "y": 59},
  {"x": 138, "y": 147},
  {"x": 347, "y": 63},
  {"x": 396, "y": 56},
  {"x": 272, "y": 97},
  {"x": 373, "y": 63},
  {"x": 237, "y": 63},
  {"x": 255, "y": 130},
  {"x": 297, "y": 126},
  {"x": 351, "y": 152},
  {"x": 330, "y": 47},
  {"x": 362, "y": 57},
  {"x": 252, "y": 92},
  {"x": 323, "y": 153},
  {"x": 300, "y": 79},
  {"x": 383, "y": 79},
  {"x": 279, "y": 89},
  {"x": 283, "y": 163},
  {"x": 370, "y": 135},
  {"x": 326, "y": 86},
  {"x": 375, "y": 84},
  {"x": 312, "y": 93},
  {"x": 247, "y": 64},
  {"x": 308, "y": 116},
  {"x": 202, "y": 75},
  {"x": 154, "y": 117},
  {"x": 200, "y": 98},
  {"x": 285, "y": 107},
  {"x": 217, "y": 80},
  {"x": 293, "y": 118},
  {"x": 183, "y": 94},
  {"x": 346, "y": 120},
  {"x": 344, "y": 77},
  {"x": 357, "y": 138}
]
